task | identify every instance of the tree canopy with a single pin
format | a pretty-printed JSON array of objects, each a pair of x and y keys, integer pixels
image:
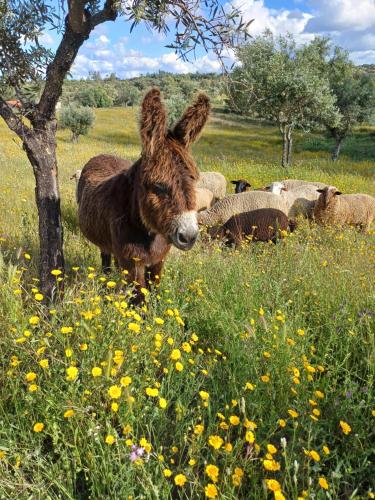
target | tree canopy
[{"x": 278, "y": 81}]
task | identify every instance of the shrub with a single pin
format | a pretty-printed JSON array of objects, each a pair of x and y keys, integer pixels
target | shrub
[
  {"x": 78, "y": 119},
  {"x": 176, "y": 105},
  {"x": 94, "y": 97}
]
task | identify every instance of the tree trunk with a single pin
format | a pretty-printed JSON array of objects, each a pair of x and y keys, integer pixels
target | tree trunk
[
  {"x": 74, "y": 137},
  {"x": 41, "y": 151},
  {"x": 284, "y": 158},
  {"x": 337, "y": 148},
  {"x": 290, "y": 145}
]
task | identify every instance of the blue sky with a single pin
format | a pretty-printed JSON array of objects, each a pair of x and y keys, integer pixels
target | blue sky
[{"x": 112, "y": 48}]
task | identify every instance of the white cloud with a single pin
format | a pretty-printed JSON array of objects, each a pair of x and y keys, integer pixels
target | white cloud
[
  {"x": 340, "y": 15},
  {"x": 104, "y": 39}
]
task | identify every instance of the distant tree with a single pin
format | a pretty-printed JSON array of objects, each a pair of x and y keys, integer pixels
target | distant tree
[
  {"x": 175, "y": 106},
  {"x": 94, "y": 97},
  {"x": 355, "y": 96},
  {"x": 279, "y": 82},
  {"x": 95, "y": 76},
  {"x": 78, "y": 119},
  {"x": 127, "y": 94},
  {"x": 24, "y": 59}
]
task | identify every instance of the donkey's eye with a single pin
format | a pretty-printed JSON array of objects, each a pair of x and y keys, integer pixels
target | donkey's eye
[{"x": 160, "y": 188}]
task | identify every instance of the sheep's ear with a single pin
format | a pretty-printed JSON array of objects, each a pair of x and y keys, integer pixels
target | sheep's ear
[
  {"x": 284, "y": 189},
  {"x": 234, "y": 182},
  {"x": 267, "y": 187},
  {"x": 320, "y": 190},
  {"x": 248, "y": 185},
  {"x": 190, "y": 125},
  {"x": 337, "y": 193},
  {"x": 153, "y": 123}
]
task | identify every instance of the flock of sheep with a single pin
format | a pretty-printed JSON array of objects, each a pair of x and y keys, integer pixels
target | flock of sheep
[{"x": 263, "y": 215}]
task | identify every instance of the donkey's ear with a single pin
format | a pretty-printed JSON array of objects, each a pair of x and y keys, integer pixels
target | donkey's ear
[
  {"x": 192, "y": 121},
  {"x": 153, "y": 123}
]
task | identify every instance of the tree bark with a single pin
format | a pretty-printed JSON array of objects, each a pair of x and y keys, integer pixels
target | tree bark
[
  {"x": 290, "y": 145},
  {"x": 39, "y": 140},
  {"x": 41, "y": 151},
  {"x": 337, "y": 148},
  {"x": 284, "y": 158}
]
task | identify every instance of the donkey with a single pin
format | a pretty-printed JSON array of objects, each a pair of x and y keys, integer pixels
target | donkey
[{"x": 137, "y": 211}]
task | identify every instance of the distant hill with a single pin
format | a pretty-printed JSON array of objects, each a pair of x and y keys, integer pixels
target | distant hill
[{"x": 369, "y": 68}]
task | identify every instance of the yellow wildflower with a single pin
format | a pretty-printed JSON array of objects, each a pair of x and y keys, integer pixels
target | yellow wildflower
[
  {"x": 215, "y": 441},
  {"x": 204, "y": 395},
  {"x": 167, "y": 472},
  {"x": 152, "y": 392},
  {"x": 43, "y": 363},
  {"x": 271, "y": 465},
  {"x": 234, "y": 420},
  {"x": 134, "y": 327},
  {"x": 250, "y": 437},
  {"x": 30, "y": 376},
  {"x": 114, "y": 391},
  {"x": 180, "y": 480},
  {"x": 69, "y": 413},
  {"x": 293, "y": 413},
  {"x": 198, "y": 429},
  {"x": 273, "y": 485},
  {"x": 110, "y": 439},
  {"x": 346, "y": 429},
  {"x": 38, "y": 427},
  {"x": 323, "y": 483},
  {"x": 71, "y": 373},
  {"x": 175, "y": 354},
  {"x": 96, "y": 371},
  {"x": 210, "y": 491},
  {"x": 212, "y": 471},
  {"x": 125, "y": 381},
  {"x": 162, "y": 403},
  {"x": 179, "y": 366}
]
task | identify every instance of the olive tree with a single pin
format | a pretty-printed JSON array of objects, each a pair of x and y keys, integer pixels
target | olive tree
[
  {"x": 355, "y": 96},
  {"x": 278, "y": 81},
  {"x": 78, "y": 119},
  {"x": 24, "y": 59}
]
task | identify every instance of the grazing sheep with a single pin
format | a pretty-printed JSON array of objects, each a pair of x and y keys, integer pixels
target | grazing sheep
[
  {"x": 264, "y": 224},
  {"x": 203, "y": 199},
  {"x": 301, "y": 200},
  {"x": 352, "y": 209},
  {"x": 215, "y": 182},
  {"x": 239, "y": 203},
  {"x": 241, "y": 185},
  {"x": 291, "y": 184},
  {"x": 76, "y": 176},
  {"x": 136, "y": 211}
]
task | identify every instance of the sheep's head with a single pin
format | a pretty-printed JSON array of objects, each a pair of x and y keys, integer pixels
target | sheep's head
[
  {"x": 241, "y": 185},
  {"x": 327, "y": 195},
  {"x": 276, "y": 188}
]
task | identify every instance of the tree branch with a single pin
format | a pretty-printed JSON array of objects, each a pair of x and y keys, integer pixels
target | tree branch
[
  {"x": 13, "y": 121},
  {"x": 67, "y": 52}
]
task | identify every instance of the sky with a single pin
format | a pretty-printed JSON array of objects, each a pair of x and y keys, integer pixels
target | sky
[{"x": 113, "y": 49}]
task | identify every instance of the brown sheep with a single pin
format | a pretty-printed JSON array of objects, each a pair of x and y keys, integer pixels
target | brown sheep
[
  {"x": 264, "y": 224},
  {"x": 136, "y": 211}
]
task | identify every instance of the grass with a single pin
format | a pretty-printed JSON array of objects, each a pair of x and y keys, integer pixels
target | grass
[{"x": 270, "y": 348}]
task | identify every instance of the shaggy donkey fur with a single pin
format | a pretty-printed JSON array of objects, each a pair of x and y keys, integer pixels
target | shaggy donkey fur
[{"x": 136, "y": 211}]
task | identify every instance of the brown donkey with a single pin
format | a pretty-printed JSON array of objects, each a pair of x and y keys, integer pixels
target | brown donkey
[{"x": 136, "y": 211}]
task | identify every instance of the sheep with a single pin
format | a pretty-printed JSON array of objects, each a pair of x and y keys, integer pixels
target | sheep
[
  {"x": 292, "y": 184},
  {"x": 203, "y": 198},
  {"x": 238, "y": 203},
  {"x": 301, "y": 200},
  {"x": 215, "y": 182},
  {"x": 76, "y": 176},
  {"x": 241, "y": 185},
  {"x": 353, "y": 209},
  {"x": 264, "y": 224}
]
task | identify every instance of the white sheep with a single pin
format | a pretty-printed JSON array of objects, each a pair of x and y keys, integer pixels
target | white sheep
[
  {"x": 353, "y": 209},
  {"x": 238, "y": 203},
  {"x": 292, "y": 184},
  {"x": 204, "y": 199},
  {"x": 301, "y": 200},
  {"x": 215, "y": 182},
  {"x": 76, "y": 176}
]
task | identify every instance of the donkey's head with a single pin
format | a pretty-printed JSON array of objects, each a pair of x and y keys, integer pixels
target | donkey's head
[{"x": 168, "y": 174}]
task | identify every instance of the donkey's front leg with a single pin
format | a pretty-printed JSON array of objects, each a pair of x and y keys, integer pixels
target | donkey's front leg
[
  {"x": 135, "y": 276},
  {"x": 153, "y": 273}
]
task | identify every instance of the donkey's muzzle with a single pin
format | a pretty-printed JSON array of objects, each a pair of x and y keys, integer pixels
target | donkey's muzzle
[{"x": 186, "y": 231}]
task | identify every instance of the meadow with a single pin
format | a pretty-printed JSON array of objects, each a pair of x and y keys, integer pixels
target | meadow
[{"x": 248, "y": 374}]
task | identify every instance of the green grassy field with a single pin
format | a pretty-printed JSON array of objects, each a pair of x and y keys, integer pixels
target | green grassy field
[{"x": 248, "y": 374}]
